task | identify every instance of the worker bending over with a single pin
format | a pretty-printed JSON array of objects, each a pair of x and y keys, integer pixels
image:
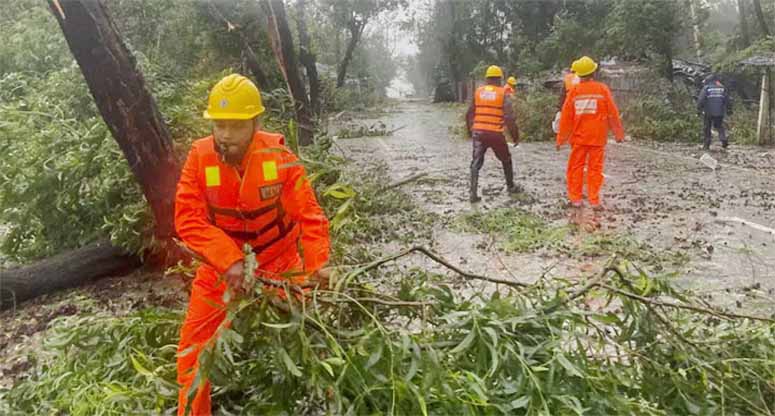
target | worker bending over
[{"x": 240, "y": 185}]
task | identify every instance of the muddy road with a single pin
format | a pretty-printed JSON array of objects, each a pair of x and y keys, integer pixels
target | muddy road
[{"x": 658, "y": 194}]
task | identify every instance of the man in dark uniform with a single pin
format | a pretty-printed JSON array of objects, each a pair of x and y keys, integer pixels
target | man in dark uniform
[{"x": 714, "y": 102}]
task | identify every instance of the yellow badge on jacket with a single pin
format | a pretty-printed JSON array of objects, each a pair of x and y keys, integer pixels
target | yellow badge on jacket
[
  {"x": 212, "y": 176},
  {"x": 270, "y": 170}
]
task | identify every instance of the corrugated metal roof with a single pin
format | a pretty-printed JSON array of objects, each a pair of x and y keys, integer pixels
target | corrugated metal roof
[{"x": 761, "y": 60}]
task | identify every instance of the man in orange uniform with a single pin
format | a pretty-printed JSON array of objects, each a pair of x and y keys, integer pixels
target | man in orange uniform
[
  {"x": 238, "y": 186},
  {"x": 586, "y": 117},
  {"x": 511, "y": 85},
  {"x": 485, "y": 120}
]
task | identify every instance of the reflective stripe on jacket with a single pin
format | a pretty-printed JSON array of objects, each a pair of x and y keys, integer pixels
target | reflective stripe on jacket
[{"x": 588, "y": 114}]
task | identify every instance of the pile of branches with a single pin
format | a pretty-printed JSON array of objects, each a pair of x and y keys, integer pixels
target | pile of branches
[{"x": 646, "y": 348}]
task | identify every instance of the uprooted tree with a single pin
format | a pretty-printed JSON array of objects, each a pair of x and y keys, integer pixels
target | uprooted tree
[
  {"x": 124, "y": 101},
  {"x": 133, "y": 118},
  {"x": 130, "y": 112}
]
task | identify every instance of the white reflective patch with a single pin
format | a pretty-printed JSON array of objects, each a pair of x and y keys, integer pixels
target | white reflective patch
[
  {"x": 585, "y": 96},
  {"x": 586, "y": 106},
  {"x": 488, "y": 95}
]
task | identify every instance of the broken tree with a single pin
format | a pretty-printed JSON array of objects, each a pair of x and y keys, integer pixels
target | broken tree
[
  {"x": 130, "y": 112},
  {"x": 124, "y": 101},
  {"x": 282, "y": 46}
]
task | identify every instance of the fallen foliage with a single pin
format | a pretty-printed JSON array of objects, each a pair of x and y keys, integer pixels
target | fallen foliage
[{"x": 426, "y": 350}]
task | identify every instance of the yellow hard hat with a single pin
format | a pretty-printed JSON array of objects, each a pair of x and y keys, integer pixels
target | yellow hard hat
[
  {"x": 512, "y": 81},
  {"x": 584, "y": 66},
  {"x": 234, "y": 98},
  {"x": 494, "y": 71},
  {"x": 573, "y": 66}
]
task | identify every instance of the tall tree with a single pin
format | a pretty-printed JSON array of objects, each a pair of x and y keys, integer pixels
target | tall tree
[
  {"x": 757, "y": 7},
  {"x": 282, "y": 45},
  {"x": 124, "y": 101},
  {"x": 248, "y": 54},
  {"x": 695, "y": 30},
  {"x": 307, "y": 57},
  {"x": 637, "y": 29},
  {"x": 744, "y": 30},
  {"x": 354, "y": 15}
]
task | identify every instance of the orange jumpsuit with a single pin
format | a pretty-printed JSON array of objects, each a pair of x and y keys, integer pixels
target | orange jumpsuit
[
  {"x": 268, "y": 203},
  {"x": 587, "y": 115}
]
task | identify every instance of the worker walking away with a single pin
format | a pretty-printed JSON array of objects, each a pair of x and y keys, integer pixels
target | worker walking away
[
  {"x": 588, "y": 114},
  {"x": 569, "y": 80},
  {"x": 240, "y": 186},
  {"x": 489, "y": 114},
  {"x": 511, "y": 86},
  {"x": 714, "y": 102}
]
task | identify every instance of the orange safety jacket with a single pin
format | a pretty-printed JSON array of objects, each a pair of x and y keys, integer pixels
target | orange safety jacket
[
  {"x": 488, "y": 108},
  {"x": 509, "y": 90},
  {"x": 267, "y": 202},
  {"x": 588, "y": 114}
]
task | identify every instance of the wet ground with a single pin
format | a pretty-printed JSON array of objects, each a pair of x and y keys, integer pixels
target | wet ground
[
  {"x": 24, "y": 329},
  {"x": 658, "y": 193}
]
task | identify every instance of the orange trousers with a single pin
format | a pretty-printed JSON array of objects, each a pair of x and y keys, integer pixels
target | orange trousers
[
  {"x": 205, "y": 314},
  {"x": 593, "y": 158}
]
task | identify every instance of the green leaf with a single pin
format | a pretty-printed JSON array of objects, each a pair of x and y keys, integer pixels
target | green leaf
[
  {"x": 279, "y": 326},
  {"x": 289, "y": 364},
  {"x": 568, "y": 366},
  {"x": 339, "y": 191},
  {"x": 335, "y": 361},
  {"x": 374, "y": 357},
  {"x": 465, "y": 344},
  {"x": 520, "y": 403},
  {"x": 608, "y": 318},
  {"x": 328, "y": 368},
  {"x": 139, "y": 367}
]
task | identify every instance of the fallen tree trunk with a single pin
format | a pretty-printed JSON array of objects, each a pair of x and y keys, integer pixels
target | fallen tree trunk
[{"x": 63, "y": 271}]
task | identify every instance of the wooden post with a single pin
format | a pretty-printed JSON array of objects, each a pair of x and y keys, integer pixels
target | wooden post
[{"x": 763, "y": 125}]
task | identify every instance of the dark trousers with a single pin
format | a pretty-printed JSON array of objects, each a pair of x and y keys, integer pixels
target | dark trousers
[
  {"x": 716, "y": 122},
  {"x": 497, "y": 142}
]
